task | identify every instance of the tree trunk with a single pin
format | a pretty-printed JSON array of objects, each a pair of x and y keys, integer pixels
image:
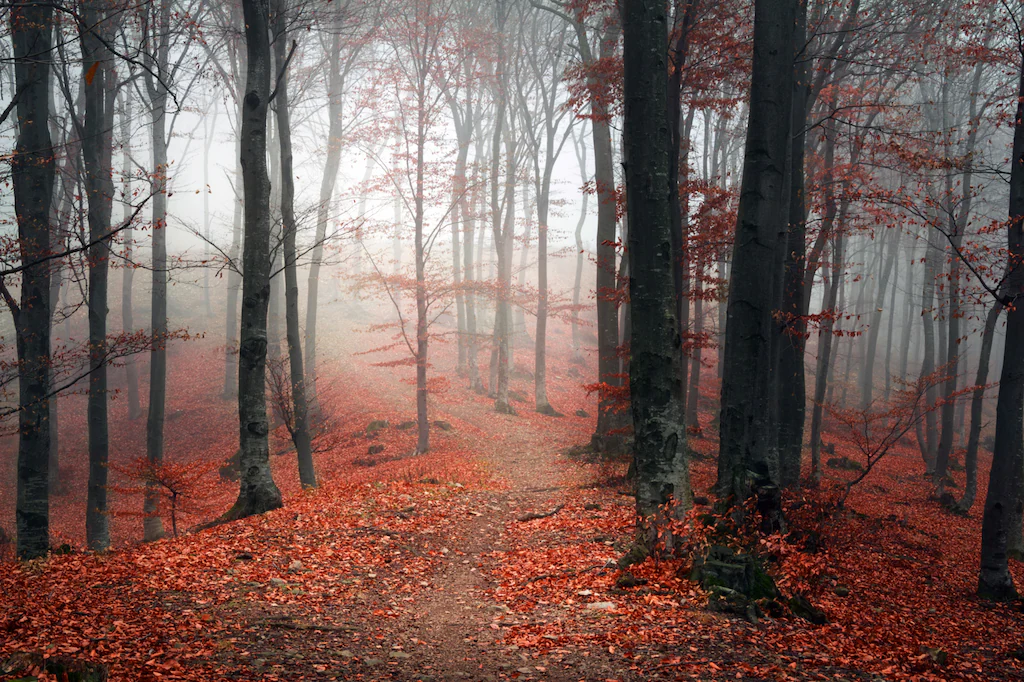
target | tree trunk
[
  {"x": 824, "y": 359},
  {"x": 791, "y": 332},
  {"x": 97, "y": 150},
  {"x": 577, "y": 345},
  {"x": 977, "y": 403},
  {"x": 867, "y": 372},
  {"x": 299, "y": 427},
  {"x": 327, "y": 184},
  {"x": 152, "y": 524},
  {"x": 128, "y": 271},
  {"x": 692, "y": 409},
  {"x": 932, "y": 255},
  {"x": 748, "y": 462},
  {"x": 32, "y": 177},
  {"x": 257, "y": 492},
  {"x": 1004, "y": 484},
  {"x": 234, "y": 267},
  {"x": 662, "y": 471},
  {"x": 607, "y": 307}
]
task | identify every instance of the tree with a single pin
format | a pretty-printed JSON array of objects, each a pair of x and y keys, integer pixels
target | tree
[
  {"x": 748, "y": 463},
  {"x": 95, "y": 29},
  {"x": 32, "y": 175},
  {"x": 257, "y": 491},
  {"x": 300, "y": 411},
  {"x": 1005, "y": 477},
  {"x": 662, "y": 471}
]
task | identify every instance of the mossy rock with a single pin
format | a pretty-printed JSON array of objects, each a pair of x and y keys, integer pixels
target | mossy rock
[
  {"x": 405, "y": 426},
  {"x": 376, "y": 425},
  {"x": 844, "y": 463},
  {"x": 23, "y": 667}
]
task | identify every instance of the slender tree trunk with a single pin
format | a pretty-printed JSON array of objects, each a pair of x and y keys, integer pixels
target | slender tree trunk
[
  {"x": 234, "y": 277},
  {"x": 152, "y": 523},
  {"x": 824, "y": 359},
  {"x": 128, "y": 271},
  {"x": 607, "y": 308},
  {"x": 662, "y": 470},
  {"x": 932, "y": 255},
  {"x": 977, "y": 403},
  {"x": 790, "y": 333},
  {"x": 422, "y": 418},
  {"x": 32, "y": 176},
  {"x": 469, "y": 227},
  {"x": 257, "y": 492},
  {"x": 327, "y": 184},
  {"x": 577, "y": 345},
  {"x": 748, "y": 461},
  {"x": 867, "y": 373},
  {"x": 891, "y": 328},
  {"x": 97, "y": 150},
  {"x": 299, "y": 427},
  {"x": 692, "y": 409}
]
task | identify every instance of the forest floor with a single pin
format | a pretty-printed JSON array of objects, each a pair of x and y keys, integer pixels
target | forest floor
[{"x": 490, "y": 557}]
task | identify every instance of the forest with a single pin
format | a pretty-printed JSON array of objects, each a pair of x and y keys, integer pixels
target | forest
[{"x": 569, "y": 340}]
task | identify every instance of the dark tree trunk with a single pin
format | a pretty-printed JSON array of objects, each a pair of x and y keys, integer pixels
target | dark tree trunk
[
  {"x": 234, "y": 271},
  {"x": 748, "y": 461},
  {"x": 257, "y": 492},
  {"x": 977, "y": 403},
  {"x": 1004, "y": 484},
  {"x": 299, "y": 427},
  {"x": 792, "y": 328},
  {"x": 32, "y": 176},
  {"x": 662, "y": 471},
  {"x": 97, "y": 150}
]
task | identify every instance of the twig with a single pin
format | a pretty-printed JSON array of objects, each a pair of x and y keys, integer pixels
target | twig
[{"x": 536, "y": 515}]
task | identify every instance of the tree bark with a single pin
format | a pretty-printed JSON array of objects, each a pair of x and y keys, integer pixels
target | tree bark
[
  {"x": 257, "y": 492},
  {"x": 299, "y": 427},
  {"x": 32, "y": 177},
  {"x": 748, "y": 462},
  {"x": 791, "y": 332},
  {"x": 128, "y": 272},
  {"x": 152, "y": 523},
  {"x": 1004, "y": 484},
  {"x": 662, "y": 471},
  {"x": 867, "y": 373},
  {"x": 97, "y": 150},
  {"x": 977, "y": 403},
  {"x": 330, "y": 177}
]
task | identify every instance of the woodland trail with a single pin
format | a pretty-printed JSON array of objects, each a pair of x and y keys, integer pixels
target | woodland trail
[{"x": 451, "y": 630}]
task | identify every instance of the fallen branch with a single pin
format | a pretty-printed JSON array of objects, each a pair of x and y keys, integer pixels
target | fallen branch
[
  {"x": 565, "y": 574},
  {"x": 536, "y": 515}
]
